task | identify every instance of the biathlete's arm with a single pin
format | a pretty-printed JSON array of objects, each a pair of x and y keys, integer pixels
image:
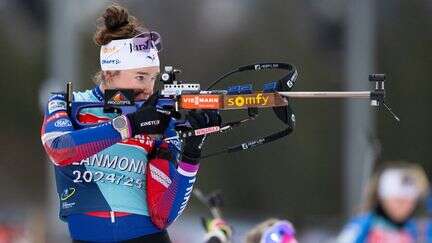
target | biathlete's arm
[
  {"x": 64, "y": 144},
  {"x": 169, "y": 187},
  {"x": 170, "y": 184}
]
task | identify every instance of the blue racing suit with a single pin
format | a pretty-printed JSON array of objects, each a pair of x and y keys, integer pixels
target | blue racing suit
[
  {"x": 427, "y": 232},
  {"x": 373, "y": 228},
  {"x": 109, "y": 187}
]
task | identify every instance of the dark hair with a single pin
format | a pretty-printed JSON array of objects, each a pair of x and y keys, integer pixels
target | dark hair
[{"x": 116, "y": 23}]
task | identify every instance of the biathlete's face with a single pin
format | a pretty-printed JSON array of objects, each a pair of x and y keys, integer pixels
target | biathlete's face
[
  {"x": 141, "y": 80},
  {"x": 399, "y": 209}
]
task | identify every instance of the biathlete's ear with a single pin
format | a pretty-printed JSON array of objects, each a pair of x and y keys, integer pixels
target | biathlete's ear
[{"x": 109, "y": 75}]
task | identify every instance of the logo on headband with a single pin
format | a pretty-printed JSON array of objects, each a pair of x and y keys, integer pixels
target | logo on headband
[
  {"x": 109, "y": 50},
  {"x": 152, "y": 57},
  {"x": 111, "y": 61},
  {"x": 132, "y": 53},
  {"x": 141, "y": 45}
]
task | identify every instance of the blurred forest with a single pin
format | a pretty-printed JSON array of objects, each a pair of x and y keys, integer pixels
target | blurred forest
[{"x": 299, "y": 177}]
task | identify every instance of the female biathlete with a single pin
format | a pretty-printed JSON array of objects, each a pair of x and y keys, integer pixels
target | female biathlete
[
  {"x": 394, "y": 193},
  {"x": 115, "y": 182}
]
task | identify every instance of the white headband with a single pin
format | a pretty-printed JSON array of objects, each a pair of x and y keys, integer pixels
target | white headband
[
  {"x": 129, "y": 54},
  {"x": 398, "y": 183}
]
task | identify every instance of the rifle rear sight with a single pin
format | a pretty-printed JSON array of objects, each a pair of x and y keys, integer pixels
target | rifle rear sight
[{"x": 169, "y": 75}]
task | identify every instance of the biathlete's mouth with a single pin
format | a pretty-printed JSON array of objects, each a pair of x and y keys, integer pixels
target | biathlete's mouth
[{"x": 141, "y": 95}]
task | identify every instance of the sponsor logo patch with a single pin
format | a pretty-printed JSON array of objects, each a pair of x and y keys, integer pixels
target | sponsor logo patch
[
  {"x": 57, "y": 96},
  {"x": 66, "y": 205},
  {"x": 67, "y": 193},
  {"x": 56, "y": 116},
  {"x": 119, "y": 97},
  {"x": 63, "y": 123},
  {"x": 252, "y": 143},
  {"x": 150, "y": 123},
  {"x": 110, "y": 61},
  {"x": 159, "y": 176},
  {"x": 200, "y": 101},
  {"x": 258, "y": 99},
  {"x": 56, "y": 105},
  {"x": 143, "y": 45},
  {"x": 266, "y": 66},
  {"x": 206, "y": 130},
  {"x": 109, "y": 50}
]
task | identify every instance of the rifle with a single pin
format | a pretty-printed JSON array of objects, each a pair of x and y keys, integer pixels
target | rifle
[{"x": 184, "y": 95}]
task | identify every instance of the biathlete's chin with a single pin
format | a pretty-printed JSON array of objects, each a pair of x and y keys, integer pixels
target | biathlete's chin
[{"x": 142, "y": 96}]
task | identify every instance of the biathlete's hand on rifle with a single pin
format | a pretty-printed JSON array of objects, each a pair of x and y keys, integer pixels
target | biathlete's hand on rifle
[
  {"x": 149, "y": 119},
  {"x": 193, "y": 145}
]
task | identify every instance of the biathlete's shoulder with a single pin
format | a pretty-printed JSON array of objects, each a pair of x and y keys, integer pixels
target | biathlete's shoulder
[
  {"x": 361, "y": 219},
  {"x": 354, "y": 229}
]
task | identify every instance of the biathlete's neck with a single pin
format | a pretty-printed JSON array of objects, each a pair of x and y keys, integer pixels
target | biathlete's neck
[
  {"x": 102, "y": 87},
  {"x": 381, "y": 212},
  {"x": 98, "y": 93}
]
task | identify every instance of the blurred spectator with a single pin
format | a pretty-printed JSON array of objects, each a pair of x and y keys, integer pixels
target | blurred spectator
[
  {"x": 7, "y": 233},
  {"x": 392, "y": 196},
  {"x": 15, "y": 233},
  {"x": 270, "y": 231}
]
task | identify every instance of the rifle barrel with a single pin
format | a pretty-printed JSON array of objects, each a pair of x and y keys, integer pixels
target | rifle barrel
[{"x": 328, "y": 94}]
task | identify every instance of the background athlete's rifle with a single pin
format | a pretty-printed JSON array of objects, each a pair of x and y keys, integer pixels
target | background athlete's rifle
[{"x": 214, "y": 202}]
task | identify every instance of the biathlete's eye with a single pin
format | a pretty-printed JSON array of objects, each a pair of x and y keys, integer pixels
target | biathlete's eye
[
  {"x": 146, "y": 77},
  {"x": 140, "y": 78}
]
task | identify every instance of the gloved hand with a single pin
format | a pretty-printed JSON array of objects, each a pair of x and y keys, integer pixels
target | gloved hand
[
  {"x": 149, "y": 119},
  {"x": 193, "y": 145}
]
